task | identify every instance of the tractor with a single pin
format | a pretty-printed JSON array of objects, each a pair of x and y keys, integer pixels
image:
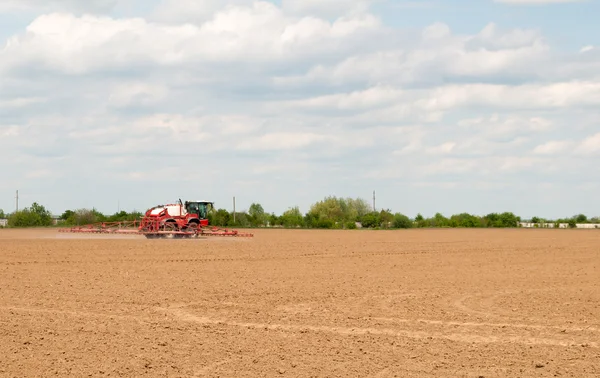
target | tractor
[
  {"x": 179, "y": 217},
  {"x": 178, "y": 220},
  {"x": 188, "y": 217}
]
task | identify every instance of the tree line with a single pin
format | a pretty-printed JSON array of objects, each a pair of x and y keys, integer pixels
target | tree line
[{"x": 330, "y": 213}]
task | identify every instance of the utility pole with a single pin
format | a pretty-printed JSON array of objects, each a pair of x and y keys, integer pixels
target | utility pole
[
  {"x": 374, "y": 208},
  {"x": 17, "y": 198},
  {"x": 233, "y": 210}
]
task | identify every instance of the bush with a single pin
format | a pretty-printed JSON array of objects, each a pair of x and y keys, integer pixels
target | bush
[
  {"x": 504, "y": 220},
  {"x": 371, "y": 220},
  {"x": 325, "y": 223},
  {"x": 34, "y": 216},
  {"x": 465, "y": 220},
  {"x": 402, "y": 221},
  {"x": 350, "y": 225}
]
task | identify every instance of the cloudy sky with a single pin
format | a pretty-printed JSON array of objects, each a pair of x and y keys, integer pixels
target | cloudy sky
[{"x": 449, "y": 106}]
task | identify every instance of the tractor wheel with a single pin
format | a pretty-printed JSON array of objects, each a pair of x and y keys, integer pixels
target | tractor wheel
[
  {"x": 192, "y": 228},
  {"x": 169, "y": 228}
]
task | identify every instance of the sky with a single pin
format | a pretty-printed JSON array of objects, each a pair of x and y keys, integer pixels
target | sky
[{"x": 438, "y": 106}]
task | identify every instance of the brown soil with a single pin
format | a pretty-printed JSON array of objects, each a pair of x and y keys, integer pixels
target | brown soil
[{"x": 419, "y": 303}]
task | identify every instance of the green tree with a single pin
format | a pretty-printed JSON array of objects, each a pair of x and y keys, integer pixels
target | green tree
[
  {"x": 292, "y": 218},
  {"x": 581, "y": 218},
  {"x": 350, "y": 225},
  {"x": 325, "y": 223},
  {"x": 439, "y": 221},
  {"x": 82, "y": 217},
  {"x": 357, "y": 208},
  {"x": 2, "y": 215},
  {"x": 34, "y": 216},
  {"x": 336, "y": 211},
  {"x": 257, "y": 216},
  {"x": 24, "y": 218},
  {"x": 371, "y": 220},
  {"x": 402, "y": 221},
  {"x": 329, "y": 209},
  {"x": 274, "y": 220},
  {"x": 465, "y": 220},
  {"x": 241, "y": 219},
  {"x": 123, "y": 216},
  {"x": 386, "y": 218},
  {"x": 219, "y": 218},
  {"x": 68, "y": 214},
  {"x": 311, "y": 220},
  {"x": 504, "y": 220},
  {"x": 45, "y": 215}
]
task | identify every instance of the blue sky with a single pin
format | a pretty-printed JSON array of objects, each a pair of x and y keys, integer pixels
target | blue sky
[{"x": 477, "y": 106}]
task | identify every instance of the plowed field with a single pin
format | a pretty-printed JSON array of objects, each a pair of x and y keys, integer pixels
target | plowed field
[{"x": 418, "y": 303}]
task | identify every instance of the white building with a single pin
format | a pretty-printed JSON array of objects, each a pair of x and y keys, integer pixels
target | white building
[
  {"x": 561, "y": 225},
  {"x": 3, "y": 222}
]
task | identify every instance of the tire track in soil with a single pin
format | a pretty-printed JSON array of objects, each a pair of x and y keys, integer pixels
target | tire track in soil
[
  {"x": 219, "y": 259},
  {"x": 78, "y": 314},
  {"x": 487, "y": 301},
  {"x": 483, "y": 324},
  {"x": 186, "y": 316}
]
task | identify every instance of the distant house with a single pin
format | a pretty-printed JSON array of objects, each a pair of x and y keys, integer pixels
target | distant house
[
  {"x": 3, "y": 222},
  {"x": 561, "y": 225}
]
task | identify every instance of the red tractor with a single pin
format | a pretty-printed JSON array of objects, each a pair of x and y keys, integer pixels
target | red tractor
[
  {"x": 179, "y": 217},
  {"x": 179, "y": 220}
]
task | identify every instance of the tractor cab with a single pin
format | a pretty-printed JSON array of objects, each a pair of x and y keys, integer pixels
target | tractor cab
[{"x": 199, "y": 208}]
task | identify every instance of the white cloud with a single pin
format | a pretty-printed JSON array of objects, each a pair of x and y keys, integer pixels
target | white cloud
[
  {"x": 369, "y": 98},
  {"x": 442, "y": 149},
  {"x": 552, "y": 147},
  {"x": 590, "y": 145},
  {"x": 260, "y": 33},
  {"x": 527, "y": 96},
  {"x": 137, "y": 94},
  {"x": 437, "y": 54},
  {"x": 405, "y": 105},
  {"x": 282, "y": 141},
  {"x": 496, "y": 126},
  {"x": 9, "y": 131},
  {"x": 20, "y": 102},
  {"x": 587, "y": 48}
]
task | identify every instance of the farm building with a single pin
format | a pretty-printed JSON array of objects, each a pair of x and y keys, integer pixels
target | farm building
[{"x": 561, "y": 225}]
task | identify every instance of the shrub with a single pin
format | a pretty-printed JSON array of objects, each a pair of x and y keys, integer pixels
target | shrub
[
  {"x": 351, "y": 225},
  {"x": 325, "y": 223},
  {"x": 34, "y": 216},
  {"x": 402, "y": 221},
  {"x": 371, "y": 220}
]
